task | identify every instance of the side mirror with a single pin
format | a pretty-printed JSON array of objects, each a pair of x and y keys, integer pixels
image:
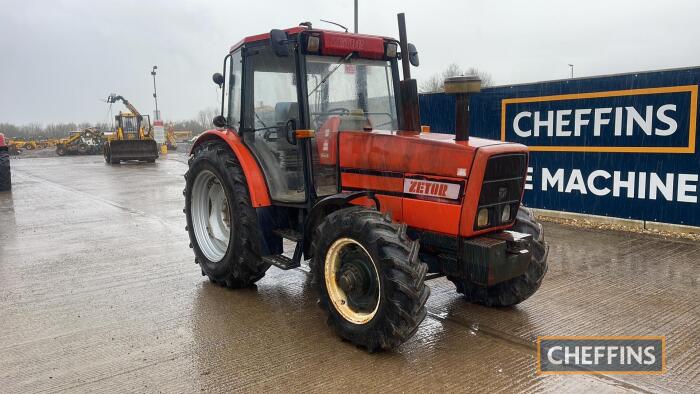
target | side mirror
[
  {"x": 220, "y": 121},
  {"x": 279, "y": 42},
  {"x": 218, "y": 79},
  {"x": 413, "y": 55}
]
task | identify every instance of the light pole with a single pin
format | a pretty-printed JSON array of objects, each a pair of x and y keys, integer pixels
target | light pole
[
  {"x": 155, "y": 95},
  {"x": 356, "y": 16},
  {"x": 572, "y": 70}
]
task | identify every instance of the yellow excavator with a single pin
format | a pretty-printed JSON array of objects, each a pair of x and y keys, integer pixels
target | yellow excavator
[{"x": 132, "y": 138}]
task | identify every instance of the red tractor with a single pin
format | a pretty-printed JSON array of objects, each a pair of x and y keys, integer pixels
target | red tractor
[
  {"x": 5, "y": 175},
  {"x": 319, "y": 143}
]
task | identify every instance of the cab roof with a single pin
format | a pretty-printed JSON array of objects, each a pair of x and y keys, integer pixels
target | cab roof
[{"x": 333, "y": 42}]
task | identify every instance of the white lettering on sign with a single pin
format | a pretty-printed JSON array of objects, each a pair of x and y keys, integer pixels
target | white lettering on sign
[
  {"x": 431, "y": 188},
  {"x": 632, "y": 185},
  {"x": 557, "y": 123}
]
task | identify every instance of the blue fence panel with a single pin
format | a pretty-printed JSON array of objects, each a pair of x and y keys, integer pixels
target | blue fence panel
[{"x": 621, "y": 146}]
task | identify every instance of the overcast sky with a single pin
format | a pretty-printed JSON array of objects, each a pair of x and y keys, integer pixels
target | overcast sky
[{"x": 59, "y": 58}]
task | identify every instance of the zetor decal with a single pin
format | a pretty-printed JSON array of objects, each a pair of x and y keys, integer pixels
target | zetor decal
[{"x": 423, "y": 187}]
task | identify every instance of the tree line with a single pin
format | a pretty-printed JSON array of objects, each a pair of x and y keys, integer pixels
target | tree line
[{"x": 38, "y": 131}]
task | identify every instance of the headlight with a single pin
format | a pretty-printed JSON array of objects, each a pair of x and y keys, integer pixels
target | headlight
[
  {"x": 505, "y": 215},
  {"x": 483, "y": 218},
  {"x": 391, "y": 49}
]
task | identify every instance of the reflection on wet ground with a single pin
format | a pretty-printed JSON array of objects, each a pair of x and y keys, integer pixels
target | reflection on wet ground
[{"x": 99, "y": 292}]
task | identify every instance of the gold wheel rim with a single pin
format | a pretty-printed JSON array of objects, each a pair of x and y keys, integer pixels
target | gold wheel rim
[{"x": 336, "y": 294}]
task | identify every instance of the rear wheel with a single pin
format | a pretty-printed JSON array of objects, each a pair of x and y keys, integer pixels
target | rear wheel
[
  {"x": 222, "y": 224},
  {"x": 369, "y": 278},
  {"x": 60, "y": 150},
  {"x": 5, "y": 173},
  {"x": 516, "y": 290}
]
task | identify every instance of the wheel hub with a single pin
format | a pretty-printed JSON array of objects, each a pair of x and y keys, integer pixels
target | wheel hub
[
  {"x": 352, "y": 281},
  {"x": 211, "y": 219}
]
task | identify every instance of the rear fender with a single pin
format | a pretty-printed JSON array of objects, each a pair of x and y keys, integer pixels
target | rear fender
[{"x": 257, "y": 187}]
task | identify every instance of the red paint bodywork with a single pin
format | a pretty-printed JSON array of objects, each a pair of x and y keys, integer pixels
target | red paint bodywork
[
  {"x": 333, "y": 43},
  {"x": 434, "y": 156},
  {"x": 2, "y": 140},
  {"x": 257, "y": 187}
]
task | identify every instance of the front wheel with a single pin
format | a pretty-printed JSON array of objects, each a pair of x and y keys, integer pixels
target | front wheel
[
  {"x": 369, "y": 278},
  {"x": 221, "y": 222},
  {"x": 516, "y": 290}
]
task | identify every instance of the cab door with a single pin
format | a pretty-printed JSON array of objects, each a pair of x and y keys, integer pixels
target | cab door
[{"x": 271, "y": 110}]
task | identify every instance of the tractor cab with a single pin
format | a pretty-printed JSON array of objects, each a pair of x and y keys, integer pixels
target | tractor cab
[{"x": 290, "y": 92}]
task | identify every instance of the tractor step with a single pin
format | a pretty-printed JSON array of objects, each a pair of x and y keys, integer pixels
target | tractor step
[
  {"x": 289, "y": 234},
  {"x": 281, "y": 261}
]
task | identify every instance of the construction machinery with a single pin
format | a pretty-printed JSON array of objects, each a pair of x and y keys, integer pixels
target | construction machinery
[
  {"x": 89, "y": 141},
  {"x": 5, "y": 172},
  {"x": 23, "y": 144},
  {"x": 319, "y": 142},
  {"x": 170, "y": 139},
  {"x": 132, "y": 138}
]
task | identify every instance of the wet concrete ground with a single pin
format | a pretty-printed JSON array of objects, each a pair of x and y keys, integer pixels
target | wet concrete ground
[{"x": 99, "y": 293}]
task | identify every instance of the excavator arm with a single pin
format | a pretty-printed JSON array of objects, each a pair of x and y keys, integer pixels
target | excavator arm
[{"x": 113, "y": 98}]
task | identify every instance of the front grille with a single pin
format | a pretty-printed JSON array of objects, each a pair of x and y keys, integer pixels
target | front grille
[{"x": 503, "y": 184}]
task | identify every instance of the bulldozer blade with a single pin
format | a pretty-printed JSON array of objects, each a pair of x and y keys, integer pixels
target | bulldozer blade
[{"x": 122, "y": 150}]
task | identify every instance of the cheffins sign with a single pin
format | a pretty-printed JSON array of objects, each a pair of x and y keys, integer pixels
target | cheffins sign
[
  {"x": 621, "y": 145},
  {"x": 654, "y": 120}
]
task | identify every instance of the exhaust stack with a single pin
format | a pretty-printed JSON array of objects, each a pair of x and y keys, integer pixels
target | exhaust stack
[{"x": 462, "y": 87}]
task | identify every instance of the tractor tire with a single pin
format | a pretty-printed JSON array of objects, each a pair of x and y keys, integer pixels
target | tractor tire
[
  {"x": 5, "y": 173},
  {"x": 82, "y": 149},
  {"x": 235, "y": 261},
  {"x": 369, "y": 279},
  {"x": 28, "y": 146},
  {"x": 516, "y": 290},
  {"x": 107, "y": 153},
  {"x": 60, "y": 150}
]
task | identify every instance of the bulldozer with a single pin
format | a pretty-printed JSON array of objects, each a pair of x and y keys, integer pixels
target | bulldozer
[
  {"x": 89, "y": 141},
  {"x": 319, "y": 142},
  {"x": 132, "y": 138}
]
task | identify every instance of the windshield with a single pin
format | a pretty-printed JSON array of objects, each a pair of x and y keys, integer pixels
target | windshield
[
  {"x": 359, "y": 91},
  {"x": 129, "y": 124}
]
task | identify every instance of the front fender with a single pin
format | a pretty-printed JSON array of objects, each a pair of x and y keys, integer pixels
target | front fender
[
  {"x": 327, "y": 205},
  {"x": 257, "y": 187}
]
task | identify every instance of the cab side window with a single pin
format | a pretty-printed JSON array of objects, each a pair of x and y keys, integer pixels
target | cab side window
[{"x": 272, "y": 109}]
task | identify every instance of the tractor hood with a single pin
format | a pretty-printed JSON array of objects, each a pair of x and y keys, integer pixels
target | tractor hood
[{"x": 412, "y": 153}]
